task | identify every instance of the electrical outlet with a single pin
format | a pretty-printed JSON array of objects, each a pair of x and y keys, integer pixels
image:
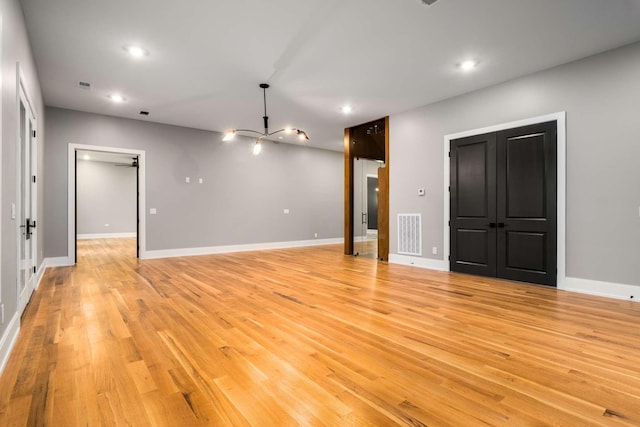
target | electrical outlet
[
  {"x": 187, "y": 180},
  {"x": 434, "y": 250},
  {"x": 315, "y": 235},
  {"x": 285, "y": 211}
]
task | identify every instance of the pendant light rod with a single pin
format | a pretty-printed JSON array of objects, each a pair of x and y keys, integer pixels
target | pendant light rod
[
  {"x": 230, "y": 134},
  {"x": 264, "y": 87}
]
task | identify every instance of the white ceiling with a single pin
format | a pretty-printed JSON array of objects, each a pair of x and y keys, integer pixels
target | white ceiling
[{"x": 381, "y": 56}]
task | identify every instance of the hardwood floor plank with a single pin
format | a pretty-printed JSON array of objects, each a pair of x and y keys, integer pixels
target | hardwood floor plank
[{"x": 310, "y": 337}]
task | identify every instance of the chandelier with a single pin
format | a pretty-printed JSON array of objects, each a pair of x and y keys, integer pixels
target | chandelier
[{"x": 231, "y": 133}]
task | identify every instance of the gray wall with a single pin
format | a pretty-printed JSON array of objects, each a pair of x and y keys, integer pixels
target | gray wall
[
  {"x": 601, "y": 97},
  {"x": 15, "y": 49},
  {"x": 241, "y": 200},
  {"x": 106, "y": 194}
]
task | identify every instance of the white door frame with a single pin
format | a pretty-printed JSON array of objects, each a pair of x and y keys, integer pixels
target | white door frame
[
  {"x": 23, "y": 98},
  {"x": 560, "y": 119},
  {"x": 71, "y": 192}
]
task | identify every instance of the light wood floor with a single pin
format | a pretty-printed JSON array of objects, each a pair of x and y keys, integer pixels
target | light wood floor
[{"x": 310, "y": 337}]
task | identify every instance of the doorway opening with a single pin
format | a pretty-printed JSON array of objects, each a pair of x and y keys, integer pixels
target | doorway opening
[
  {"x": 26, "y": 209},
  {"x": 366, "y": 208},
  {"x": 106, "y": 201}
]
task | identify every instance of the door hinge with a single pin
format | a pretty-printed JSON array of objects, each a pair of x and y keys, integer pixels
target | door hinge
[
  {"x": 34, "y": 133},
  {"x": 34, "y": 178},
  {"x": 449, "y": 189},
  {"x": 449, "y": 257},
  {"x": 449, "y": 223},
  {"x": 449, "y": 153},
  {"x": 34, "y": 269}
]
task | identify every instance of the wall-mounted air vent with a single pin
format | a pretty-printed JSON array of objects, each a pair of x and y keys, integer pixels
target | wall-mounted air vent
[
  {"x": 410, "y": 234},
  {"x": 144, "y": 113},
  {"x": 84, "y": 85}
]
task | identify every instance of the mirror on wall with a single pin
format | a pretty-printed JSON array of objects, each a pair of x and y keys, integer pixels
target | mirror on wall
[{"x": 365, "y": 207}]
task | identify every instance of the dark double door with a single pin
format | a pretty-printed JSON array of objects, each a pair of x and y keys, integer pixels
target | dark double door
[{"x": 503, "y": 204}]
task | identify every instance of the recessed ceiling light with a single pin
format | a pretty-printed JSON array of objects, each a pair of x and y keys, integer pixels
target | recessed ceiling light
[
  {"x": 136, "y": 51},
  {"x": 346, "y": 109},
  {"x": 116, "y": 98},
  {"x": 468, "y": 65}
]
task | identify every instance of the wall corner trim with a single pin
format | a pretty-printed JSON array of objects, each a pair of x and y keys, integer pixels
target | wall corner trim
[
  {"x": 431, "y": 264},
  {"x": 8, "y": 340},
  {"x": 212, "y": 250}
]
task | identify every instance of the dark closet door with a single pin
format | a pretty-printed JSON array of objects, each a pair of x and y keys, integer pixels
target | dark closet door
[
  {"x": 526, "y": 212},
  {"x": 503, "y": 204},
  {"x": 473, "y": 205}
]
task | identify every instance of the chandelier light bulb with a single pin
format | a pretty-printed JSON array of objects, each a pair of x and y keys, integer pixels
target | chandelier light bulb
[
  {"x": 257, "y": 148},
  {"x": 229, "y": 135}
]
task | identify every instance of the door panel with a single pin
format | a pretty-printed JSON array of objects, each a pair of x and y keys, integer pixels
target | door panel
[
  {"x": 503, "y": 204},
  {"x": 525, "y": 251},
  {"x": 525, "y": 176},
  {"x": 26, "y": 205},
  {"x": 473, "y": 247},
  {"x": 527, "y": 203},
  {"x": 473, "y": 205},
  {"x": 472, "y": 180}
]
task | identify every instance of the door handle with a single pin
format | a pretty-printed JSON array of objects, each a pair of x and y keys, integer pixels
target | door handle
[
  {"x": 492, "y": 225},
  {"x": 501, "y": 225},
  {"x": 28, "y": 228}
]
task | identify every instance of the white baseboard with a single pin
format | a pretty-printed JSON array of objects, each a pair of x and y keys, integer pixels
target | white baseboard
[
  {"x": 571, "y": 284},
  {"x": 62, "y": 261},
  {"x": 8, "y": 340},
  {"x": 602, "y": 289},
  {"x": 432, "y": 264},
  {"x": 106, "y": 236},
  {"x": 40, "y": 273},
  {"x": 211, "y": 250}
]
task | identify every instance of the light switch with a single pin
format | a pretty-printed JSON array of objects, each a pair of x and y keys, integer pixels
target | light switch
[
  {"x": 420, "y": 191},
  {"x": 286, "y": 211},
  {"x": 152, "y": 211},
  {"x": 200, "y": 180},
  {"x": 187, "y": 180}
]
